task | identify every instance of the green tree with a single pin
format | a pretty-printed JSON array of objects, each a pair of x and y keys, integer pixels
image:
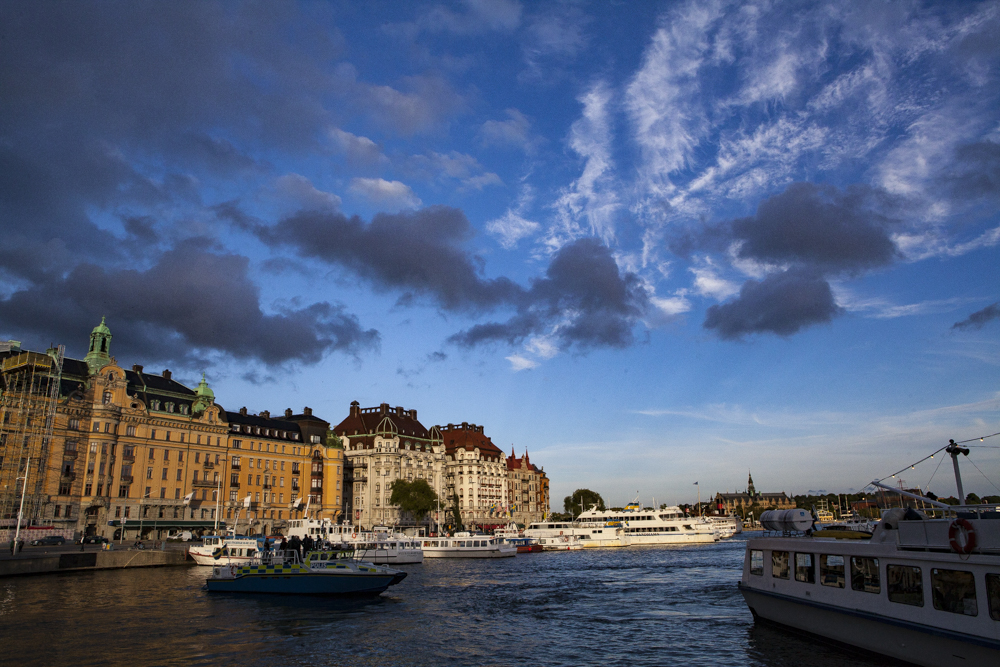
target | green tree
[
  {"x": 416, "y": 497},
  {"x": 582, "y": 499},
  {"x": 456, "y": 512}
]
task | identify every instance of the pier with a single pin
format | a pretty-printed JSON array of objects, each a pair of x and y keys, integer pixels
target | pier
[{"x": 77, "y": 561}]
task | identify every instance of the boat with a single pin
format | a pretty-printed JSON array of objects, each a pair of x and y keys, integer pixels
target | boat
[
  {"x": 507, "y": 532},
  {"x": 923, "y": 587},
  {"x": 466, "y": 545},
  {"x": 524, "y": 545},
  {"x": 321, "y": 573},
  {"x": 726, "y": 526},
  {"x": 560, "y": 543},
  {"x": 631, "y": 526},
  {"x": 379, "y": 545},
  {"x": 227, "y": 550}
]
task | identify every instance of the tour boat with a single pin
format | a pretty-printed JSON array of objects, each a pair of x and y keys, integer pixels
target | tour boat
[
  {"x": 226, "y": 550},
  {"x": 466, "y": 545},
  {"x": 629, "y": 527},
  {"x": 560, "y": 543},
  {"x": 920, "y": 589},
  {"x": 380, "y": 545},
  {"x": 726, "y": 526},
  {"x": 524, "y": 545},
  {"x": 321, "y": 573}
]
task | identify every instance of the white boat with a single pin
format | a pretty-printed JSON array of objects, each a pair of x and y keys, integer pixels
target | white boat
[
  {"x": 560, "y": 543},
  {"x": 630, "y": 527},
  {"x": 726, "y": 526},
  {"x": 509, "y": 531},
  {"x": 467, "y": 545},
  {"x": 381, "y": 547},
  {"x": 227, "y": 550},
  {"x": 923, "y": 590}
]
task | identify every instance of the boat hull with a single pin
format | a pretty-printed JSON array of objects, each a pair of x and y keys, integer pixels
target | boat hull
[
  {"x": 910, "y": 642},
  {"x": 457, "y": 552}
]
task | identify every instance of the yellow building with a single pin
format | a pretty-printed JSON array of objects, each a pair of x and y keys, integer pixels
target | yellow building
[{"x": 111, "y": 447}]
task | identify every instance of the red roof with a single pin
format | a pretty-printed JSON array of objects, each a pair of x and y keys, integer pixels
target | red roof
[{"x": 468, "y": 437}]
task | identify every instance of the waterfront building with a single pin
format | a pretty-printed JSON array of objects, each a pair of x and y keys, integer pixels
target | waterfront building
[
  {"x": 112, "y": 448},
  {"x": 475, "y": 477},
  {"x": 528, "y": 489},
  {"x": 742, "y": 503},
  {"x": 382, "y": 445}
]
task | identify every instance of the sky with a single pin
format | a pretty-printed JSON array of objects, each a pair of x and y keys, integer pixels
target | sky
[{"x": 651, "y": 243}]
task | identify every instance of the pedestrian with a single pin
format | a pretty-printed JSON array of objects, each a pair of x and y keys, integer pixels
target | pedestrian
[
  {"x": 267, "y": 544},
  {"x": 284, "y": 543}
]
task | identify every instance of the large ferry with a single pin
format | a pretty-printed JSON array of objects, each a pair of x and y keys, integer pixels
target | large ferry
[
  {"x": 467, "y": 545},
  {"x": 726, "y": 526},
  {"x": 631, "y": 526},
  {"x": 921, "y": 589}
]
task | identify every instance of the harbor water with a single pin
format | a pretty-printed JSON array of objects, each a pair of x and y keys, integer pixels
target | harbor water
[{"x": 635, "y": 607}]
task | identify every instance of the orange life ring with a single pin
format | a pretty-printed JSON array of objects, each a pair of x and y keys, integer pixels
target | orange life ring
[
  {"x": 354, "y": 536},
  {"x": 957, "y": 526}
]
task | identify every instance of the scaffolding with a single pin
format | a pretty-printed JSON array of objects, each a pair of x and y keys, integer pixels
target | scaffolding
[{"x": 28, "y": 404}]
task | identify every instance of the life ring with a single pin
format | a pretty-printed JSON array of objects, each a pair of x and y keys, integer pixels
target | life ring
[
  {"x": 958, "y": 526},
  {"x": 354, "y": 536}
]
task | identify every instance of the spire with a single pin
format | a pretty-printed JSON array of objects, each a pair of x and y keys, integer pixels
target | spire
[
  {"x": 750, "y": 490},
  {"x": 205, "y": 396},
  {"x": 99, "y": 354}
]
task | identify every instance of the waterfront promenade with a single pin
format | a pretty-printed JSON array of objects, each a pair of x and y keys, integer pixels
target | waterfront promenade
[{"x": 71, "y": 558}]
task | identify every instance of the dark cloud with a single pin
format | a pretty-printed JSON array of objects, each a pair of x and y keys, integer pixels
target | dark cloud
[
  {"x": 976, "y": 170},
  {"x": 584, "y": 298},
  {"x": 782, "y": 303},
  {"x": 419, "y": 253},
  {"x": 189, "y": 303},
  {"x": 980, "y": 318},
  {"x": 820, "y": 227}
]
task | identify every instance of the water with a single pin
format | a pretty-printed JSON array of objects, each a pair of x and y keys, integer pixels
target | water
[{"x": 635, "y": 607}]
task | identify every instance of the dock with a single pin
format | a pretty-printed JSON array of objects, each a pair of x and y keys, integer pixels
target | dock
[{"x": 77, "y": 561}]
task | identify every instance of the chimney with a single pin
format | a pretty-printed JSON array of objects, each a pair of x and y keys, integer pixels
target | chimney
[
  {"x": 288, "y": 413},
  {"x": 384, "y": 408},
  {"x": 266, "y": 414},
  {"x": 137, "y": 368},
  {"x": 413, "y": 415},
  {"x": 465, "y": 426},
  {"x": 399, "y": 410},
  {"x": 307, "y": 411},
  {"x": 243, "y": 411},
  {"x": 355, "y": 408},
  {"x": 166, "y": 374}
]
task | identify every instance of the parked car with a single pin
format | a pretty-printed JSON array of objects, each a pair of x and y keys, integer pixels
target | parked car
[
  {"x": 95, "y": 539},
  {"x": 48, "y": 540}
]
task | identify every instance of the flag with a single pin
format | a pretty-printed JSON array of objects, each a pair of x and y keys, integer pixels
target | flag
[
  {"x": 188, "y": 497},
  {"x": 696, "y": 483},
  {"x": 297, "y": 502},
  {"x": 246, "y": 501}
]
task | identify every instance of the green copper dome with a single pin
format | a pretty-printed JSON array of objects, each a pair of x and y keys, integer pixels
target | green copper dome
[
  {"x": 101, "y": 329},
  {"x": 203, "y": 390}
]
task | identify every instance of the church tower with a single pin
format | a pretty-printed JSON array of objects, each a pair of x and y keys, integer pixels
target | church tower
[
  {"x": 99, "y": 354},
  {"x": 750, "y": 490}
]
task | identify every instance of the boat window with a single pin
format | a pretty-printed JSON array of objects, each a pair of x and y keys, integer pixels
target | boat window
[
  {"x": 805, "y": 571},
  {"x": 831, "y": 570},
  {"x": 779, "y": 564},
  {"x": 904, "y": 584},
  {"x": 993, "y": 595},
  {"x": 757, "y": 562},
  {"x": 954, "y": 591},
  {"x": 864, "y": 574}
]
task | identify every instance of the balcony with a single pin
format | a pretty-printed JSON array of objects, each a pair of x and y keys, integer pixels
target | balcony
[
  {"x": 70, "y": 453},
  {"x": 205, "y": 484},
  {"x": 128, "y": 458},
  {"x": 126, "y": 479},
  {"x": 209, "y": 465},
  {"x": 266, "y": 486},
  {"x": 234, "y": 484},
  {"x": 68, "y": 476},
  {"x": 235, "y": 466}
]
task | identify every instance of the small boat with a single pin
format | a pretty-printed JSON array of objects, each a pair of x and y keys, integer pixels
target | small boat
[
  {"x": 560, "y": 543},
  {"x": 507, "y": 532},
  {"x": 227, "y": 550},
  {"x": 321, "y": 573},
  {"x": 525, "y": 545},
  {"x": 466, "y": 545},
  {"x": 726, "y": 526}
]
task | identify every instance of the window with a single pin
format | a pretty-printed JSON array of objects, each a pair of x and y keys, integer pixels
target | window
[
  {"x": 179, "y": 473},
  {"x": 954, "y": 591},
  {"x": 180, "y": 457},
  {"x": 130, "y": 431},
  {"x": 757, "y": 562},
  {"x": 804, "y": 569},
  {"x": 904, "y": 585},
  {"x": 249, "y": 480},
  {"x": 197, "y": 457},
  {"x": 152, "y": 454},
  {"x": 152, "y": 434},
  {"x": 864, "y": 574},
  {"x": 237, "y": 444},
  {"x": 177, "y": 496},
  {"x": 831, "y": 571},
  {"x": 107, "y": 398},
  {"x": 149, "y": 473},
  {"x": 232, "y": 496},
  {"x": 73, "y": 423},
  {"x": 97, "y": 427},
  {"x": 166, "y": 455},
  {"x": 993, "y": 595},
  {"x": 195, "y": 478},
  {"x": 163, "y": 494},
  {"x": 164, "y": 475}
]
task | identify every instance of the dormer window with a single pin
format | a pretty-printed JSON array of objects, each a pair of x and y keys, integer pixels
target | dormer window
[
  {"x": 154, "y": 404},
  {"x": 170, "y": 407},
  {"x": 184, "y": 409}
]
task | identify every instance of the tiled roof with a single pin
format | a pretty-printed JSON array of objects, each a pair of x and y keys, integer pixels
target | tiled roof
[
  {"x": 468, "y": 436},
  {"x": 366, "y": 421}
]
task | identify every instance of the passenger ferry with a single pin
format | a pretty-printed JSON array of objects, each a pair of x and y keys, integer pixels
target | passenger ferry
[
  {"x": 467, "y": 545},
  {"x": 631, "y": 526},
  {"x": 726, "y": 526},
  {"x": 227, "y": 550},
  {"x": 921, "y": 589},
  {"x": 379, "y": 545}
]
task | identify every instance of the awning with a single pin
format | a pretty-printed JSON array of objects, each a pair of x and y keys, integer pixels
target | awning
[{"x": 163, "y": 524}]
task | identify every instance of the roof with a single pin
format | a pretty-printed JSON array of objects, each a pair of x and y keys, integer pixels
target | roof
[
  {"x": 262, "y": 425},
  {"x": 366, "y": 423},
  {"x": 468, "y": 437}
]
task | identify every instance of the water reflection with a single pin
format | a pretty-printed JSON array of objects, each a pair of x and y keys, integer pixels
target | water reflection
[{"x": 619, "y": 607}]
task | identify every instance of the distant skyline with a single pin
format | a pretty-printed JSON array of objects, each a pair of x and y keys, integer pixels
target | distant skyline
[{"x": 651, "y": 243}]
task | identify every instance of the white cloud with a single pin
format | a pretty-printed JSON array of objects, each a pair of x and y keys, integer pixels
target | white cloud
[
  {"x": 479, "y": 16},
  {"x": 592, "y": 198},
  {"x": 519, "y": 363},
  {"x": 442, "y": 167},
  {"x": 300, "y": 190},
  {"x": 512, "y": 226},
  {"x": 919, "y": 245},
  {"x": 515, "y": 131},
  {"x": 389, "y": 195},
  {"x": 360, "y": 151},
  {"x": 708, "y": 283},
  {"x": 542, "y": 346}
]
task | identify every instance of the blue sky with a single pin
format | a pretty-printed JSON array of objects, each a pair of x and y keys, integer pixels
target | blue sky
[{"x": 652, "y": 243}]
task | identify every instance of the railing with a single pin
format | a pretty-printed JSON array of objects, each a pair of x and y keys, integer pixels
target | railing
[
  {"x": 126, "y": 479},
  {"x": 209, "y": 465},
  {"x": 128, "y": 458},
  {"x": 234, "y": 484},
  {"x": 235, "y": 466},
  {"x": 70, "y": 453},
  {"x": 205, "y": 483}
]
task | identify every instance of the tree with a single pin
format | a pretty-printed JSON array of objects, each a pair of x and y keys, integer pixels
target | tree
[
  {"x": 416, "y": 497},
  {"x": 456, "y": 512},
  {"x": 582, "y": 499}
]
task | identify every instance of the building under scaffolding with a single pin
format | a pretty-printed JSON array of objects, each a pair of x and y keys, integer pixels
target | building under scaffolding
[{"x": 30, "y": 390}]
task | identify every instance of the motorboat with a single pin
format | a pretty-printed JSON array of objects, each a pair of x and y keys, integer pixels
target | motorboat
[
  {"x": 726, "y": 526},
  {"x": 320, "y": 573},
  {"x": 560, "y": 543},
  {"x": 466, "y": 545},
  {"x": 922, "y": 587},
  {"x": 524, "y": 545},
  {"x": 227, "y": 550}
]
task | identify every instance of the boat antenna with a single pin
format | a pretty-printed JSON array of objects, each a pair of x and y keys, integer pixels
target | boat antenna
[{"x": 955, "y": 450}]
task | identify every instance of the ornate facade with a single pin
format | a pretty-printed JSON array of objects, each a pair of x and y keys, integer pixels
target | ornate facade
[
  {"x": 476, "y": 476},
  {"x": 528, "y": 487},
  {"x": 742, "y": 503}
]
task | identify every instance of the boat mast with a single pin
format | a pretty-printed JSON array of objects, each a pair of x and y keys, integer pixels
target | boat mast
[
  {"x": 20, "y": 512},
  {"x": 955, "y": 450}
]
